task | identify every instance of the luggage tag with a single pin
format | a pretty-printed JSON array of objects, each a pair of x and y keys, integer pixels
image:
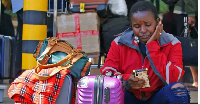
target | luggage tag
[
  {"x": 142, "y": 74},
  {"x": 82, "y": 7}
]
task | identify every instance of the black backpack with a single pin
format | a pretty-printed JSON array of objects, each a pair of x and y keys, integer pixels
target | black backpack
[{"x": 112, "y": 26}]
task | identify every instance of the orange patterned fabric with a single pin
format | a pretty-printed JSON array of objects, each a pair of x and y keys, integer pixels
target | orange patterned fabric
[{"x": 27, "y": 89}]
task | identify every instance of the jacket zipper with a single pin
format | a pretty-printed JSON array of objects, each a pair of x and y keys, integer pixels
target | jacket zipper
[
  {"x": 142, "y": 93},
  {"x": 143, "y": 58},
  {"x": 143, "y": 63}
]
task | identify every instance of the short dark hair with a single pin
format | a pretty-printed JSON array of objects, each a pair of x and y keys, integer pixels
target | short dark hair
[{"x": 141, "y": 6}]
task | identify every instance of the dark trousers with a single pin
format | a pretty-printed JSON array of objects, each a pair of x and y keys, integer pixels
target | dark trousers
[
  {"x": 19, "y": 43},
  {"x": 164, "y": 96}
]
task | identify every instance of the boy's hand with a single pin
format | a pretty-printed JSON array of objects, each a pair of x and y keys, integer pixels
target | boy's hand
[
  {"x": 135, "y": 83},
  {"x": 157, "y": 33}
]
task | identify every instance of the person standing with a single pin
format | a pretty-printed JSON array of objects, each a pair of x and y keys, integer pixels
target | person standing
[
  {"x": 188, "y": 10},
  {"x": 17, "y": 7}
]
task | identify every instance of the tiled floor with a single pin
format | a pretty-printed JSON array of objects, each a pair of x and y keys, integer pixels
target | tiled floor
[
  {"x": 6, "y": 100},
  {"x": 94, "y": 71}
]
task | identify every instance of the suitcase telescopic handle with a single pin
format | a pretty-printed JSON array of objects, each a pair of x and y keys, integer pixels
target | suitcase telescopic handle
[
  {"x": 109, "y": 74},
  {"x": 91, "y": 8}
]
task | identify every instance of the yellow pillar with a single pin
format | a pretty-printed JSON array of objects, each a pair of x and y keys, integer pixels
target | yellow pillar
[{"x": 34, "y": 29}]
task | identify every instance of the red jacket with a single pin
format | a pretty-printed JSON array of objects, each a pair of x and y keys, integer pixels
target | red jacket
[{"x": 164, "y": 54}]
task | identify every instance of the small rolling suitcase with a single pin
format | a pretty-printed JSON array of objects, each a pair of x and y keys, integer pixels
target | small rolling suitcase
[
  {"x": 99, "y": 6},
  {"x": 100, "y": 90},
  {"x": 65, "y": 95}
]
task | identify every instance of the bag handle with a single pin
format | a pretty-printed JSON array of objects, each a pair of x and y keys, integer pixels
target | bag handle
[
  {"x": 69, "y": 57},
  {"x": 56, "y": 70},
  {"x": 67, "y": 66},
  {"x": 41, "y": 66},
  {"x": 73, "y": 57},
  {"x": 55, "y": 45},
  {"x": 55, "y": 49}
]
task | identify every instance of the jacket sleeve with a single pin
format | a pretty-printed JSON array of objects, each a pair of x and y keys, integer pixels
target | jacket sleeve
[
  {"x": 170, "y": 67},
  {"x": 191, "y": 7},
  {"x": 112, "y": 62}
]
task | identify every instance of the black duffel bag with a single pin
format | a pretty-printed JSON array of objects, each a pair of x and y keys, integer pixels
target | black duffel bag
[
  {"x": 190, "y": 50},
  {"x": 111, "y": 27}
]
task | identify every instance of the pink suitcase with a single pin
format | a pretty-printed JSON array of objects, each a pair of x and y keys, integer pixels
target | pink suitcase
[{"x": 100, "y": 90}]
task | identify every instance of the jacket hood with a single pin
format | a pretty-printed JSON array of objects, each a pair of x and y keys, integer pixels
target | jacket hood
[{"x": 127, "y": 38}]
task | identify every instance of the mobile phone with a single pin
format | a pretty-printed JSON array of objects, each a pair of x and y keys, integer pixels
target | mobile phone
[{"x": 142, "y": 74}]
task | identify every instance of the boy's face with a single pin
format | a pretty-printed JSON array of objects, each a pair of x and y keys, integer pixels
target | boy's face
[{"x": 144, "y": 25}]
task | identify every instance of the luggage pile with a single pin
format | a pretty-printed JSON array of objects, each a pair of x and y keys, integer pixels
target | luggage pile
[
  {"x": 90, "y": 25},
  {"x": 82, "y": 27},
  {"x": 59, "y": 65},
  {"x": 78, "y": 22}
]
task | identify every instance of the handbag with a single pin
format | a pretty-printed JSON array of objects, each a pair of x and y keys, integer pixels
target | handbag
[
  {"x": 189, "y": 49},
  {"x": 53, "y": 52}
]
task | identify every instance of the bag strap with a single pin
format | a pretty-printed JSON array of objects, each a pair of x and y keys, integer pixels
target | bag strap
[
  {"x": 37, "y": 52},
  {"x": 87, "y": 65},
  {"x": 41, "y": 66},
  {"x": 56, "y": 48},
  {"x": 56, "y": 70},
  {"x": 73, "y": 57},
  {"x": 55, "y": 45},
  {"x": 51, "y": 42}
]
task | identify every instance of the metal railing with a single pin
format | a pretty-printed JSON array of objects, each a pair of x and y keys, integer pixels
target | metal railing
[
  {"x": 55, "y": 11},
  {"x": 62, "y": 10}
]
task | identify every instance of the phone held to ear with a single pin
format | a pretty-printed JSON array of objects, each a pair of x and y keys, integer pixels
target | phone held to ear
[{"x": 142, "y": 74}]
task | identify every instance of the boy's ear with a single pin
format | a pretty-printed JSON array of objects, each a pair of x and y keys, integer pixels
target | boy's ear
[{"x": 158, "y": 20}]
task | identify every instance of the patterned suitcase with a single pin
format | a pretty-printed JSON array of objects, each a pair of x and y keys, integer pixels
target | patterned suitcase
[
  {"x": 99, "y": 6},
  {"x": 100, "y": 90}
]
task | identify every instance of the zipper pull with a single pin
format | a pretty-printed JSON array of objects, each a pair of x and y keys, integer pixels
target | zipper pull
[{"x": 142, "y": 67}]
